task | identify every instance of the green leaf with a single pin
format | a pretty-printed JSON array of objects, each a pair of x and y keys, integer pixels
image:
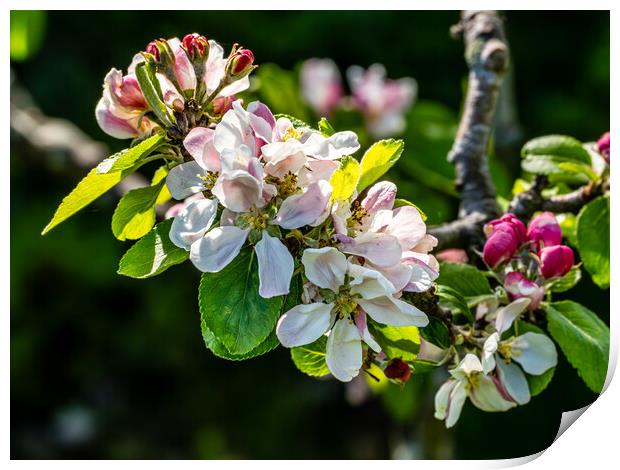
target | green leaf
[
  {"x": 436, "y": 332},
  {"x": 310, "y": 358},
  {"x": 27, "y": 33},
  {"x": 218, "y": 349},
  {"x": 164, "y": 194},
  {"x": 583, "y": 338},
  {"x": 566, "y": 282},
  {"x": 593, "y": 239},
  {"x": 90, "y": 188},
  {"x": 135, "y": 214},
  {"x": 404, "y": 202},
  {"x": 326, "y": 128},
  {"x": 232, "y": 308},
  {"x": 152, "y": 254},
  {"x": 378, "y": 159},
  {"x": 561, "y": 146},
  {"x": 344, "y": 179},
  {"x": 145, "y": 74},
  {"x": 467, "y": 280},
  {"x": 451, "y": 299},
  {"x": 129, "y": 157},
  {"x": 423, "y": 366},
  {"x": 579, "y": 168},
  {"x": 543, "y": 164},
  {"x": 397, "y": 341},
  {"x": 279, "y": 89}
]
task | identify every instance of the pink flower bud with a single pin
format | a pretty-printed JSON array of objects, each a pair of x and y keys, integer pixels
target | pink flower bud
[
  {"x": 196, "y": 45},
  {"x": 508, "y": 221},
  {"x": 240, "y": 63},
  {"x": 398, "y": 369},
  {"x": 223, "y": 104},
  {"x": 603, "y": 145},
  {"x": 500, "y": 246},
  {"x": 544, "y": 230},
  {"x": 555, "y": 261},
  {"x": 151, "y": 48},
  {"x": 518, "y": 286}
]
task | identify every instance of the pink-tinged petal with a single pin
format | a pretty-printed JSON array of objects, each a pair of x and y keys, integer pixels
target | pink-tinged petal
[
  {"x": 535, "y": 352},
  {"x": 362, "y": 328},
  {"x": 304, "y": 209},
  {"x": 175, "y": 210},
  {"x": 321, "y": 85},
  {"x": 214, "y": 68},
  {"x": 199, "y": 144},
  {"x": 262, "y": 111},
  {"x": 325, "y": 267},
  {"x": 217, "y": 248},
  {"x": 228, "y": 217},
  {"x": 425, "y": 269},
  {"x": 234, "y": 130},
  {"x": 380, "y": 249},
  {"x": 316, "y": 170},
  {"x": 238, "y": 191},
  {"x": 511, "y": 380},
  {"x": 344, "y": 351},
  {"x": 193, "y": 222},
  {"x": 518, "y": 286},
  {"x": 113, "y": 125},
  {"x": 183, "y": 68},
  {"x": 236, "y": 87},
  {"x": 425, "y": 245},
  {"x": 123, "y": 91},
  {"x": 395, "y": 312},
  {"x": 172, "y": 98},
  {"x": 368, "y": 283},
  {"x": 275, "y": 266},
  {"x": 304, "y": 324},
  {"x": 331, "y": 148},
  {"x": 487, "y": 397},
  {"x": 399, "y": 275},
  {"x": 407, "y": 225},
  {"x": 341, "y": 212},
  {"x": 185, "y": 180},
  {"x": 380, "y": 196},
  {"x": 508, "y": 314}
]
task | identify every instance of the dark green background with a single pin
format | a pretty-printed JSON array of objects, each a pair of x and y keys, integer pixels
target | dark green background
[{"x": 108, "y": 367}]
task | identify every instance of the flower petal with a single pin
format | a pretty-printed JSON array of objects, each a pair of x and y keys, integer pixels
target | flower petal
[
  {"x": 199, "y": 144},
  {"x": 185, "y": 180},
  {"x": 457, "y": 400},
  {"x": 369, "y": 283},
  {"x": 362, "y": 328},
  {"x": 344, "y": 351},
  {"x": 380, "y": 249},
  {"x": 238, "y": 191},
  {"x": 535, "y": 352},
  {"x": 217, "y": 248},
  {"x": 486, "y": 396},
  {"x": 507, "y": 315},
  {"x": 304, "y": 209},
  {"x": 407, "y": 225},
  {"x": 192, "y": 222},
  {"x": 304, "y": 324},
  {"x": 324, "y": 267},
  {"x": 395, "y": 312},
  {"x": 488, "y": 354},
  {"x": 513, "y": 380},
  {"x": 275, "y": 266},
  {"x": 380, "y": 196}
]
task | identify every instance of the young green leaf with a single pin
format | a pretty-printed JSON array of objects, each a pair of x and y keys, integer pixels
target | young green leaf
[
  {"x": 344, "y": 179},
  {"x": 90, "y": 188},
  {"x": 160, "y": 175},
  {"x": 326, "y": 128},
  {"x": 561, "y": 146},
  {"x": 593, "y": 239},
  {"x": 404, "y": 202},
  {"x": 464, "y": 278},
  {"x": 232, "y": 308},
  {"x": 218, "y": 349},
  {"x": 566, "y": 282},
  {"x": 129, "y": 157},
  {"x": 310, "y": 358},
  {"x": 135, "y": 214},
  {"x": 149, "y": 85},
  {"x": 397, "y": 341},
  {"x": 152, "y": 254},
  {"x": 583, "y": 338},
  {"x": 378, "y": 159},
  {"x": 451, "y": 299},
  {"x": 436, "y": 332}
]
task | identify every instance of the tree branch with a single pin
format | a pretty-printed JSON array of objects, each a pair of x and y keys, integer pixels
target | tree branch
[{"x": 486, "y": 53}]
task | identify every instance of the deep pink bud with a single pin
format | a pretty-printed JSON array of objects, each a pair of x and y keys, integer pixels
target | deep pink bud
[
  {"x": 240, "y": 63},
  {"x": 195, "y": 44},
  {"x": 555, "y": 261},
  {"x": 398, "y": 369},
  {"x": 603, "y": 145},
  {"x": 151, "y": 48},
  {"x": 223, "y": 104},
  {"x": 544, "y": 230},
  {"x": 508, "y": 221},
  {"x": 519, "y": 286},
  {"x": 500, "y": 246}
]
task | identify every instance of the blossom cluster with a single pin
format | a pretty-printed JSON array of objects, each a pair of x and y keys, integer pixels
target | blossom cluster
[
  {"x": 382, "y": 101},
  {"x": 527, "y": 258}
]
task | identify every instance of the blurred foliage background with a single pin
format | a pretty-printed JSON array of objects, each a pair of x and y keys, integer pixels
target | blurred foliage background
[{"x": 110, "y": 367}]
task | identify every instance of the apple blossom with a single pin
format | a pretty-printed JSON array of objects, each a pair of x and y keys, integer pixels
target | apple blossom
[
  {"x": 518, "y": 286},
  {"x": 321, "y": 85}
]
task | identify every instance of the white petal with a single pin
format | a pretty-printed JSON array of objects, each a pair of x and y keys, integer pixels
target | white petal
[
  {"x": 304, "y": 209},
  {"x": 369, "y": 283},
  {"x": 507, "y": 315},
  {"x": 199, "y": 144},
  {"x": 407, "y": 225},
  {"x": 362, "y": 328},
  {"x": 193, "y": 222},
  {"x": 185, "y": 180},
  {"x": 380, "y": 249},
  {"x": 513, "y": 379},
  {"x": 275, "y": 266},
  {"x": 486, "y": 396},
  {"x": 457, "y": 400},
  {"x": 344, "y": 351},
  {"x": 391, "y": 311},
  {"x": 399, "y": 274},
  {"x": 342, "y": 143},
  {"x": 217, "y": 248},
  {"x": 488, "y": 354},
  {"x": 442, "y": 399},
  {"x": 304, "y": 324},
  {"x": 238, "y": 191},
  {"x": 470, "y": 364},
  {"x": 535, "y": 352},
  {"x": 325, "y": 267}
]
